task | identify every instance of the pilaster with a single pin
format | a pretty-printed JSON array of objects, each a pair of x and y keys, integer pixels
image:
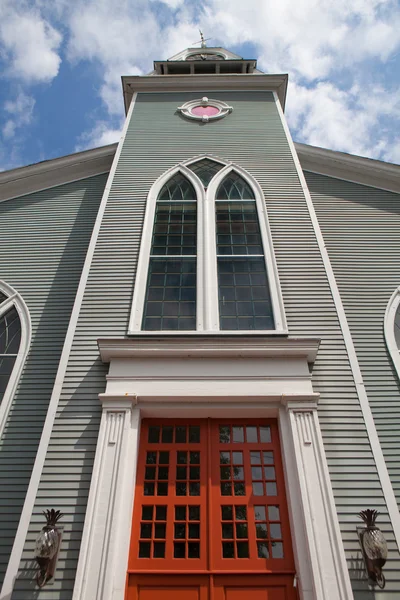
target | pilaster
[
  {"x": 317, "y": 541},
  {"x": 103, "y": 557}
]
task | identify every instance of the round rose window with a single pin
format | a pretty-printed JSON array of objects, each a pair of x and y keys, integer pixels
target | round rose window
[
  {"x": 204, "y": 109},
  {"x": 209, "y": 111}
]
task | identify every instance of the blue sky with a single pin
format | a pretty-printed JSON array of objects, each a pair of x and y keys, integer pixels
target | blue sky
[{"x": 61, "y": 63}]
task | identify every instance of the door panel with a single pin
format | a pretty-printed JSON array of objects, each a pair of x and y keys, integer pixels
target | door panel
[
  {"x": 167, "y": 587},
  {"x": 169, "y": 593},
  {"x": 217, "y": 587},
  {"x": 270, "y": 587},
  {"x": 255, "y": 593}
]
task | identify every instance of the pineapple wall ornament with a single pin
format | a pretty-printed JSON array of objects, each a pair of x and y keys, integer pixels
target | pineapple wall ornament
[
  {"x": 373, "y": 546},
  {"x": 47, "y": 545}
]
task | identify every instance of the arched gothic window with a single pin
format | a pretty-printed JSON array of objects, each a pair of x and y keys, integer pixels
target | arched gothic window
[
  {"x": 244, "y": 297},
  {"x": 15, "y": 331},
  {"x": 206, "y": 261},
  {"x": 170, "y": 302},
  {"x": 392, "y": 328}
]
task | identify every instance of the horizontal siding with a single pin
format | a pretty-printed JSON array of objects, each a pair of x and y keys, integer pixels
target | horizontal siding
[
  {"x": 361, "y": 228},
  {"x": 44, "y": 239},
  {"x": 158, "y": 138}
]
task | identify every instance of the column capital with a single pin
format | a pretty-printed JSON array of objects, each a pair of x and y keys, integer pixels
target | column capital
[
  {"x": 297, "y": 403},
  {"x": 111, "y": 402}
]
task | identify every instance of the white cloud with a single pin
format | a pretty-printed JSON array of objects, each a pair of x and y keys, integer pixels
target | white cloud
[
  {"x": 173, "y": 4},
  {"x": 30, "y": 44},
  {"x": 349, "y": 121},
  {"x": 20, "y": 114},
  {"x": 118, "y": 36},
  {"x": 101, "y": 134}
]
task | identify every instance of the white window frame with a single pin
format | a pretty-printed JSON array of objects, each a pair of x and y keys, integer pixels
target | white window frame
[
  {"x": 390, "y": 316},
  {"x": 207, "y": 313},
  {"x": 14, "y": 300}
]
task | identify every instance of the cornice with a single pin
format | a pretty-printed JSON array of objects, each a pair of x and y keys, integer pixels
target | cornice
[
  {"x": 50, "y": 173},
  {"x": 356, "y": 169},
  {"x": 219, "y": 345},
  {"x": 204, "y": 83},
  {"x": 58, "y": 171}
]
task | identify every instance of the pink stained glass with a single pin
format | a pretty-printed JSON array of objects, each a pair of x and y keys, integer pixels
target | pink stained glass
[{"x": 209, "y": 111}]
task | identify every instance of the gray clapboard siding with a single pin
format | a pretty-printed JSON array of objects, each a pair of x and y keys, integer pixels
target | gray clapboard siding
[
  {"x": 157, "y": 139},
  {"x": 44, "y": 239},
  {"x": 361, "y": 228}
]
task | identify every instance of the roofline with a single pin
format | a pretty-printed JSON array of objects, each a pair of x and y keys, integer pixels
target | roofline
[
  {"x": 74, "y": 167},
  {"x": 356, "y": 169},
  {"x": 204, "y": 83},
  {"x": 57, "y": 171}
]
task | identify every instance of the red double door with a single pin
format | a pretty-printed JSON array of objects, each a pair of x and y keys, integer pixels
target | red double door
[{"x": 210, "y": 520}]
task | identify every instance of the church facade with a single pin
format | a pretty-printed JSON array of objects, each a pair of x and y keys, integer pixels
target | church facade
[{"x": 199, "y": 354}]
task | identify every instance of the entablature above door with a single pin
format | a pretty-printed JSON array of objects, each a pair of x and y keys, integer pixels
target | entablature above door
[{"x": 215, "y": 367}]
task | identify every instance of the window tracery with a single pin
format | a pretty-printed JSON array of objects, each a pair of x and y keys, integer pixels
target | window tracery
[{"x": 205, "y": 170}]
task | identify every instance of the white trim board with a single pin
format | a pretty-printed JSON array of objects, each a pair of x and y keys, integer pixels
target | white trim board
[
  {"x": 208, "y": 346},
  {"x": 16, "y": 553},
  {"x": 376, "y": 449}
]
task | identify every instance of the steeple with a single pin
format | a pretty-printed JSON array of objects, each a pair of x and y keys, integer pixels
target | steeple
[{"x": 205, "y": 60}]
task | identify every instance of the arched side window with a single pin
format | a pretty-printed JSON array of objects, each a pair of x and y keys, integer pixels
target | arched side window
[
  {"x": 392, "y": 328},
  {"x": 15, "y": 335},
  {"x": 206, "y": 260}
]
